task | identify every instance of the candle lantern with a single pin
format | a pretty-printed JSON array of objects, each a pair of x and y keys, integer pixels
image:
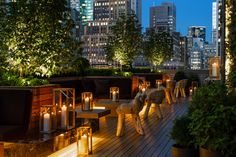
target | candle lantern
[
  {"x": 84, "y": 141},
  {"x": 87, "y": 101},
  {"x": 48, "y": 118},
  {"x": 214, "y": 68},
  {"x": 114, "y": 93},
  {"x": 64, "y": 100},
  {"x": 158, "y": 83},
  {"x": 190, "y": 91}
]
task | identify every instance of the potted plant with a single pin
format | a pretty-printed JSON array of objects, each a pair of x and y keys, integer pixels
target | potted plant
[
  {"x": 183, "y": 146},
  {"x": 212, "y": 113}
]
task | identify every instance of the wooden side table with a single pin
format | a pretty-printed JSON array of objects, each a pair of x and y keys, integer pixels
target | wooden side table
[
  {"x": 93, "y": 116},
  {"x": 110, "y": 105}
]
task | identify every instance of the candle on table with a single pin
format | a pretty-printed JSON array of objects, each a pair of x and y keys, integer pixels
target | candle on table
[
  {"x": 86, "y": 105},
  {"x": 143, "y": 90},
  {"x": 63, "y": 116},
  {"x": 46, "y": 122},
  {"x": 114, "y": 96},
  {"x": 214, "y": 70}
]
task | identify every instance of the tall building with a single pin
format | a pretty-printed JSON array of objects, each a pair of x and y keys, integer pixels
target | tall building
[
  {"x": 219, "y": 8},
  {"x": 136, "y": 6},
  {"x": 163, "y": 17},
  {"x": 214, "y": 23},
  {"x": 196, "y": 46},
  {"x": 197, "y": 32},
  {"x": 96, "y": 31}
]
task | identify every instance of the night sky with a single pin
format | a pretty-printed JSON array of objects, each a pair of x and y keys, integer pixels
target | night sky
[{"x": 189, "y": 13}]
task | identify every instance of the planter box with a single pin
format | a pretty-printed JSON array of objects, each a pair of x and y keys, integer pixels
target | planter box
[
  {"x": 41, "y": 95},
  {"x": 207, "y": 153},
  {"x": 184, "y": 152}
]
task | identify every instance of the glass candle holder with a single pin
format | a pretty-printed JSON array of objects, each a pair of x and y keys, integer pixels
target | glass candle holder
[
  {"x": 159, "y": 83},
  {"x": 64, "y": 100},
  {"x": 84, "y": 141},
  {"x": 114, "y": 93},
  {"x": 48, "y": 118},
  {"x": 87, "y": 101}
]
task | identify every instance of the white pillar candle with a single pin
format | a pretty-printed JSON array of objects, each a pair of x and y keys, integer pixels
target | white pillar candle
[
  {"x": 214, "y": 70},
  {"x": 190, "y": 92},
  {"x": 63, "y": 116},
  {"x": 46, "y": 122},
  {"x": 83, "y": 145},
  {"x": 114, "y": 96},
  {"x": 143, "y": 90},
  {"x": 87, "y": 102}
]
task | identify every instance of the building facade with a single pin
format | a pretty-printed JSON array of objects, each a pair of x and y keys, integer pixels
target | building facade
[
  {"x": 96, "y": 31},
  {"x": 163, "y": 17}
]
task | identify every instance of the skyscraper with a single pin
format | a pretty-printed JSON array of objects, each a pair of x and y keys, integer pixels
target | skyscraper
[
  {"x": 163, "y": 18},
  {"x": 214, "y": 23},
  {"x": 196, "y": 46},
  {"x": 86, "y": 13},
  {"x": 105, "y": 14},
  {"x": 96, "y": 31}
]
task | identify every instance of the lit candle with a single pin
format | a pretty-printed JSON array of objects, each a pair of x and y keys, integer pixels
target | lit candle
[
  {"x": 83, "y": 145},
  {"x": 63, "y": 116},
  {"x": 190, "y": 92},
  {"x": 46, "y": 122},
  {"x": 114, "y": 96},
  {"x": 86, "y": 105},
  {"x": 143, "y": 90},
  {"x": 214, "y": 70}
]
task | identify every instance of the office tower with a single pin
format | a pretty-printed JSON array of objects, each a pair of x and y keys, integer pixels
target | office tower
[
  {"x": 163, "y": 17},
  {"x": 136, "y": 6},
  {"x": 219, "y": 23},
  {"x": 105, "y": 14},
  {"x": 214, "y": 23},
  {"x": 86, "y": 13},
  {"x": 196, "y": 46},
  {"x": 197, "y": 32}
]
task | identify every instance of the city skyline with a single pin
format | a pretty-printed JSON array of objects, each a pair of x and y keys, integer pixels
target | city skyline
[{"x": 189, "y": 13}]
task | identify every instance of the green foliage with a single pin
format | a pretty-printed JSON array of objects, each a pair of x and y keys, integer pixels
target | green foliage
[
  {"x": 180, "y": 132},
  {"x": 10, "y": 79},
  {"x": 231, "y": 42},
  {"x": 213, "y": 113},
  {"x": 125, "y": 41},
  {"x": 157, "y": 47},
  {"x": 179, "y": 76},
  {"x": 36, "y": 37}
]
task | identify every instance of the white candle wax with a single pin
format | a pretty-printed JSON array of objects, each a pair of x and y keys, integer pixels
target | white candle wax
[
  {"x": 143, "y": 90},
  {"x": 113, "y": 96},
  {"x": 46, "y": 122},
  {"x": 86, "y": 105},
  {"x": 214, "y": 70},
  {"x": 83, "y": 145},
  {"x": 63, "y": 116},
  {"x": 190, "y": 92}
]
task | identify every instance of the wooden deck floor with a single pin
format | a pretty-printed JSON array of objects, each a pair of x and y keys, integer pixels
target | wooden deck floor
[{"x": 156, "y": 142}]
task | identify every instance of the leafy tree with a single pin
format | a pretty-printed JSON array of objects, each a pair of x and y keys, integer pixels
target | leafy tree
[
  {"x": 157, "y": 47},
  {"x": 231, "y": 42},
  {"x": 125, "y": 40},
  {"x": 36, "y": 36}
]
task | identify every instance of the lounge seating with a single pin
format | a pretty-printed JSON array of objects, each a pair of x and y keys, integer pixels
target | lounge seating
[
  {"x": 134, "y": 107},
  {"x": 156, "y": 97}
]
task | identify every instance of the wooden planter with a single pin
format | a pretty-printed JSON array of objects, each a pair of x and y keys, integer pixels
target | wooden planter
[
  {"x": 184, "y": 152},
  {"x": 42, "y": 95},
  {"x": 207, "y": 153}
]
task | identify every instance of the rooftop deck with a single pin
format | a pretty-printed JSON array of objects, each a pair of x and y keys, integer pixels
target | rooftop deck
[{"x": 156, "y": 141}]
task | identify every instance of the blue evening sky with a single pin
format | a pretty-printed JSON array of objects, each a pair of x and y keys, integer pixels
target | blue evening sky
[{"x": 188, "y": 13}]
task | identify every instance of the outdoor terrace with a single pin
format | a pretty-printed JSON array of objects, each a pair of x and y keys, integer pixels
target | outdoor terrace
[{"x": 156, "y": 141}]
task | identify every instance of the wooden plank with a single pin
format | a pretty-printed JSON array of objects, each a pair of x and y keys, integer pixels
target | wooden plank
[
  {"x": 1, "y": 149},
  {"x": 154, "y": 143}
]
